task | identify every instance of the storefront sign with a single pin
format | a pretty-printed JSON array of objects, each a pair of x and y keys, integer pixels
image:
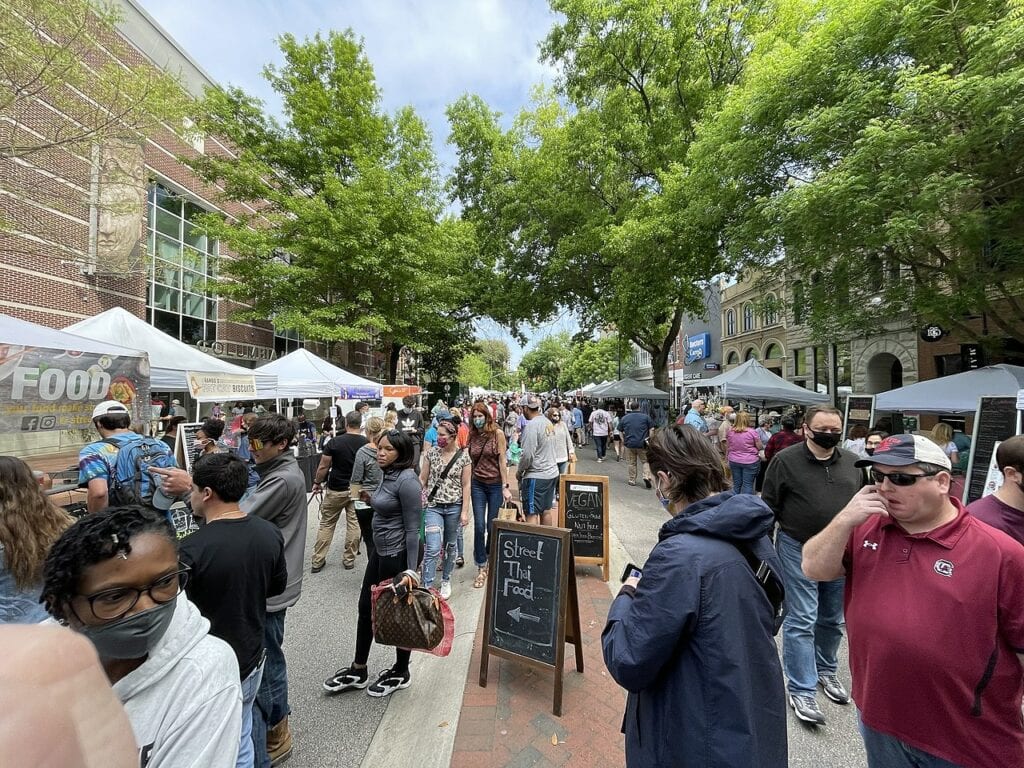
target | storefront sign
[
  {"x": 698, "y": 347},
  {"x": 221, "y": 386},
  {"x": 712, "y": 366},
  {"x": 52, "y": 389},
  {"x": 236, "y": 350},
  {"x": 400, "y": 390},
  {"x": 932, "y": 332}
]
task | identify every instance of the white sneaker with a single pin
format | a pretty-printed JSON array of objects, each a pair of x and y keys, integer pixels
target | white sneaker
[{"x": 446, "y": 589}]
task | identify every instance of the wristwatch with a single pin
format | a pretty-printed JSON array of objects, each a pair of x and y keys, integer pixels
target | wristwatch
[{"x": 507, "y": 485}]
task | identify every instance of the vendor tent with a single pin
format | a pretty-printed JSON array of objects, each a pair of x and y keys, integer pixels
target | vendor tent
[
  {"x": 51, "y": 380},
  {"x": 303, "y": 374},
  {"x": 754, "y": 383},
  {"x": 629, "y": 388},
  {"x": 170, "y": 360},
  {"x": 954, "y": 394}
]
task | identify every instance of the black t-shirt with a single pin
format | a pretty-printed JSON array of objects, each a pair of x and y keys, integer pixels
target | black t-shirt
[
  {"x": 236, "y": 565},
  {"x": 342, "y": 450}
]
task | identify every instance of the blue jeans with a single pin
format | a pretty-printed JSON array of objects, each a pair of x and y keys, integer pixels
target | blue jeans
[
  {"x": 743, "y": 476},
  {"x": 272, "y": 697},
  {"x": 811, "y": 631},
  {"x": 486, "y": 502},
  {"x": 886, "y": 751},
  {"x": 251, "y": 684},
  {"x": 440, "y": 520},
  {"x": 601, "y": 443}
]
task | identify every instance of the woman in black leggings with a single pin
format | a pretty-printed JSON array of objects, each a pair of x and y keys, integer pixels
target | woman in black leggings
[{"x": 396, "y": 535}]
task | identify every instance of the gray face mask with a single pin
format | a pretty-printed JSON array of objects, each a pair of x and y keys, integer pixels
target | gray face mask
[{"x": 131, "y": 637}]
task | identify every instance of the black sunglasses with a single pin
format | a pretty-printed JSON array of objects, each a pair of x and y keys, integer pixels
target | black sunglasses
[{"x": 901, "y": 479}]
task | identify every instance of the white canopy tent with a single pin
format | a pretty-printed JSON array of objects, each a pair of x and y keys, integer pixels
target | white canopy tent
[
  {"x": 303, "y": 374},
  {"x": 169, "y": 358},
  {"x": 958, "y": 393},
  {"x": 25, "y": 334},
  {"x": 754, "y": 383}
]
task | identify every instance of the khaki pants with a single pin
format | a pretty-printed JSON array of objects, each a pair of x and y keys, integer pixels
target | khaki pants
[
  {"x": 632, "y": 455},
  {"x": 336, "y": 502}
]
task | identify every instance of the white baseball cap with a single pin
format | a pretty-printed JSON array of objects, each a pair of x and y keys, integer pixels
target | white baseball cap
[
  {"x": 905, "y": 450},
  {"x": 109, "y": 406}
]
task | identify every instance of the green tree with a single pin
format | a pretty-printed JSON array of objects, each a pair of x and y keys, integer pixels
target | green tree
[
  {"x": 541, "y": 367},
  {"x": 568, "y": 202},
  {"x": 346, "y": 241},
  {"x": 474, "y": 370},
  {"x": 593, "y": 361},
  {"x": 878, "y": 145}
]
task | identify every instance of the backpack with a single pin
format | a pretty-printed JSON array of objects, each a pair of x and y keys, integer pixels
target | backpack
[{"x": 130, "y": 480}]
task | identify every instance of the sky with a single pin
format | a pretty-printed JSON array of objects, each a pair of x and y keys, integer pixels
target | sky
[{"x": 425, "y": 54}]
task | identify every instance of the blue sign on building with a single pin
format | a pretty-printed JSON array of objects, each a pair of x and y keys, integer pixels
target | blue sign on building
[{"x": 698, "y": 347}]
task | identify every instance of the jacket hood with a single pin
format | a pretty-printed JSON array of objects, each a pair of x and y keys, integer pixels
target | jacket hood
[
  {"x": 269, "y": 466},
  {"x": 188, "y": 628},
  {"x": 729, "y": 516}
]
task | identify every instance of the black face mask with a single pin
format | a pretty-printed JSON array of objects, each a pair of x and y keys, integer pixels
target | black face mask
[
  {"x": 870, "y": 451},
  {"x": 825, "y": 439}
]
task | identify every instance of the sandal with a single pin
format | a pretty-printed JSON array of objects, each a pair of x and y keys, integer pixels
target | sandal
[{"x": 481, "y": 578}]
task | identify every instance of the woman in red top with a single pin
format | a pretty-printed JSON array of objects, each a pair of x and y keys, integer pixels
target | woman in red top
[{"x": 489, "y": 485}]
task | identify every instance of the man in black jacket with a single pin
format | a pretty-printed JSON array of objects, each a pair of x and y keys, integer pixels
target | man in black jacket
[{"x": 806, "y": 485}]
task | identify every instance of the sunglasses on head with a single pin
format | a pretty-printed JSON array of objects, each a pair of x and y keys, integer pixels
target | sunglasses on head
[{"x": 902, "y": 479}]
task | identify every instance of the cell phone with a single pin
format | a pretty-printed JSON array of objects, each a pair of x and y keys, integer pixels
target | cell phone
[{"x": 631, "y": 571}]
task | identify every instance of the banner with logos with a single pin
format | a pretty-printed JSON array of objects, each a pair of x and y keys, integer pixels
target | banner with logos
[
  {"x": 43, "y": 389},
  {"x": 218, "y": 387}
]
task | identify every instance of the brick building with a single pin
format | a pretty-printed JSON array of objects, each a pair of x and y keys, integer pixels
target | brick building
[{"x": 82, "y": 231}]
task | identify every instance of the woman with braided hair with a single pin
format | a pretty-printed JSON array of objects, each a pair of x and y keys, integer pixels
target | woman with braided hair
[
  {"x": 29, "y": 524},
  {"x": 114, "y": 577}
]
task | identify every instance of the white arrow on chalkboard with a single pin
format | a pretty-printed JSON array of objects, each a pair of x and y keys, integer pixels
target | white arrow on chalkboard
[{"x": 517, "y": 614}]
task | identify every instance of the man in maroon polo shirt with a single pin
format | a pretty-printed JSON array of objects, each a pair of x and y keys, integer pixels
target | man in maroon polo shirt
[{"x": 934, "y": 613}]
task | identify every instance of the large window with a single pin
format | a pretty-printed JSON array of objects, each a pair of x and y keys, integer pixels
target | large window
[
  {"x": 183, "y": 260},
  {"x": 771, "y": 311},
  {"x": 798, "y": 302},
  {"x": 748, "y": 317},
  {"x": 730, "y": 323},
  {"x": 800, "y": 367}
]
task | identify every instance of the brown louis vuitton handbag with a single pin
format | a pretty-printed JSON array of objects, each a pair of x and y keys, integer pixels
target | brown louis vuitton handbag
[{"x": 411, "y": 617}]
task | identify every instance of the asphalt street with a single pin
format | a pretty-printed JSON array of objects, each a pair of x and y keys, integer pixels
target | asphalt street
[{"x": 353, "y": 729}]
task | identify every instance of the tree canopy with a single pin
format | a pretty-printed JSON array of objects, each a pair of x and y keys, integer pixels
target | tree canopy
[
  {"x": 878, "y": 146},
  {"x": 567, "y": 203},
  {"x": 347, "y": 240}
]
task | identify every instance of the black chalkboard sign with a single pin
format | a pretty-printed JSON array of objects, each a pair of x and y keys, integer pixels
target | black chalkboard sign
[
  {"x": 185, "y": 444},
  {"x": 531, "y": 597},
  {"x": 583, "y": 509},
  {"x": 994, "y": 421},
  {"x": 860, "y": 409}
]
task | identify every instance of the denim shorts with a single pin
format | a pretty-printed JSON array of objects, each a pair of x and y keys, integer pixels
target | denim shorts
[{"x": 538, "y": 494}]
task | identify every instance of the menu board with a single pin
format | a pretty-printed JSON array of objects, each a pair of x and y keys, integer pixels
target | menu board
[
  {"x": 860, "y": 409},
  {"x": 531, "y": 595},
  {"x": 185, "y": 444},
  {"x": 995, "y": 420},
  {"x": 583, "y": 509}
]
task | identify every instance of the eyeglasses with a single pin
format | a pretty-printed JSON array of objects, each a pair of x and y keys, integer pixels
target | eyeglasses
[
  {"x": 111, "y": 604},
  {"x": 901, "y": 479},
  {"x": 255, "y": 443}
]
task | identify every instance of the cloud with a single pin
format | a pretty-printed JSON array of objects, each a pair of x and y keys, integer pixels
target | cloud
[{"x": 424, "y": 54}]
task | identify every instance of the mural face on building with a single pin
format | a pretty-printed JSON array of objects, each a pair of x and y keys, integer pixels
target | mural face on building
[{"x": 120, "y": 205}]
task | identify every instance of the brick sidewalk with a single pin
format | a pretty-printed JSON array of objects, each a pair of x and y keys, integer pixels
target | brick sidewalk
[{"x": 509, "y": 723}]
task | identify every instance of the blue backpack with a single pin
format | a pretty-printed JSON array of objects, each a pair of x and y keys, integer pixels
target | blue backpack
[{"x": 130, "y": 480}]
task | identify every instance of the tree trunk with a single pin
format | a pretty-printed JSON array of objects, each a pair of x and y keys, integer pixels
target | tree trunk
[{"x": 394, "y": 353}]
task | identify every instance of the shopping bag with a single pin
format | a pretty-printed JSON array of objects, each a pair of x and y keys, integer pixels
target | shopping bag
[{"x": 420, "y": 620}]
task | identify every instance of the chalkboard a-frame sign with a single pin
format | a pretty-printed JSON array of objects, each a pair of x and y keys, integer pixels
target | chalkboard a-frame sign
[
  {"x": 996, "y": 419},
  {"x": 531, "y": 610},
  {"x": 583, "y": 509}
]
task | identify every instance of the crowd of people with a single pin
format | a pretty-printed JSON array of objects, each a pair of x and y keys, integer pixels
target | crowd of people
[{"x": 787, "y": 523}]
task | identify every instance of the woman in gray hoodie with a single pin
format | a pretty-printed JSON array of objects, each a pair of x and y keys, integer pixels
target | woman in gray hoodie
[
  {"x": 114, "y": 577},
  {"x": 397, "y": 511}
]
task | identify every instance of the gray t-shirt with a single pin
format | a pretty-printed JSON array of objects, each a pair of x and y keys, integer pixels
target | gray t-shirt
[
  {"x": 397, "y": 509},
  {"x": 539, "y": 442}
]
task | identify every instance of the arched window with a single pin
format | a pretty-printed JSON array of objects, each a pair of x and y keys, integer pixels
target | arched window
[
  {"x": 730, "y": 323},
  {"x": 798, "y": 302},
  {"x": 751, "y": 354},
  {"x": 773, "y": 352},
  {"x": 771, "y": 311},
  {"x": 732, "y": 359},
  {"x": 748, "y": 317}
]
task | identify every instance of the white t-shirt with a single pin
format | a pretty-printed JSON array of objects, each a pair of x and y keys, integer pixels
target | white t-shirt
[{"x": 601, "y": 422}]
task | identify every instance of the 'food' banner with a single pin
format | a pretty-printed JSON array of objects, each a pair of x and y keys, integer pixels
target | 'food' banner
[{"x": 50, "y": 389}]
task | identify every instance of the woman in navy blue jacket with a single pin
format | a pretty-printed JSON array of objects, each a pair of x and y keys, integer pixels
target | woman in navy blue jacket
[{"x": 693, "y": 639}]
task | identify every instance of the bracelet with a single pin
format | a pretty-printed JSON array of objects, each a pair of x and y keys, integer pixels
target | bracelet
[{"x": 506, "y": 485}]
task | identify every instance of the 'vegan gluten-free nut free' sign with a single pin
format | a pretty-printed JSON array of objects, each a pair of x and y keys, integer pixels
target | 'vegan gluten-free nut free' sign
[{"x": 532, "y": 609}]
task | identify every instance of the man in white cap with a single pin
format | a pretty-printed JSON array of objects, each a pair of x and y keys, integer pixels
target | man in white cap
[
  {"x": 177, "y": 409},
  {"x": 98, "y": 461},
  {"x": 934, "y": 614}
]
